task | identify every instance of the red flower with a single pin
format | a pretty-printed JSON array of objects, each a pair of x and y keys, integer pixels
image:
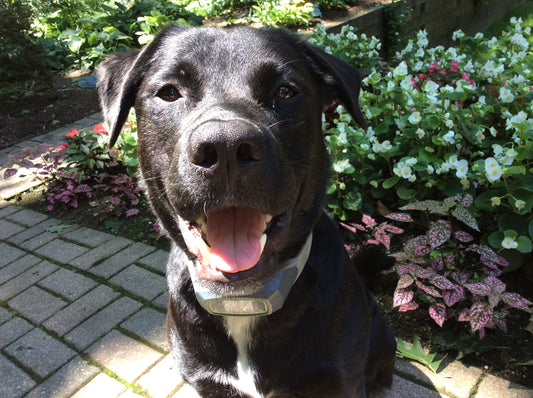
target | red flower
[
  {"x": 63, "y": 147},
  {"x": 99, "y": 128},
  {"x": 73, "y": 133},
  {"x": 455, "y": 66}
]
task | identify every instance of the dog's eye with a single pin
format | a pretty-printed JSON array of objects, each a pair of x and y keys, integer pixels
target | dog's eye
[
  {"x": 285, "y": 92},
  {"x": 169, "y": 93}
]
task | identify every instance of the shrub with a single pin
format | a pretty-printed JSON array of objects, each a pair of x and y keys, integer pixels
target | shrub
[
  {"x": 282, "y": 13},
  {"x": 442, "y": 122}
]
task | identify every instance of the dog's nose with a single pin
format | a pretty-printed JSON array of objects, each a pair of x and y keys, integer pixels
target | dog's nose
[{"x": 233, "y": 145}]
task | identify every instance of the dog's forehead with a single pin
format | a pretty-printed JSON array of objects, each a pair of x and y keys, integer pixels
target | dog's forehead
[{"x": 236, "y": 48}]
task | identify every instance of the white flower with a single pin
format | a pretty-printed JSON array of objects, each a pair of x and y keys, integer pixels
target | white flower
[
  {"x": 341, "y": 138},
  {"x": 506, "y": 95},
  {"x": 449, "y": 123},
  {"x": 498, "y": 150},
  {"x": 407, "y": 83},
  {"x": 430, "y": 87},
  {"x": 519, "y": 204},
  {"x": 493, "y": 171},
  {"x": 420, "y": 133},
  {"x": 415, "y": 118},
  {"x": 341, "y": 165},
  {"x": 444, "y": 168},
  {"x": 458, "y": 34},
  {"x": 461, "y": 168},
  {"x": 411, "y": 161},
  {"x": 449, "y": 137},
  {"x": 402, "y": 170},
  {"x": 453, "y": 160},
  {"x": 509, "y": 243},
  {"x": 430, "y": 169},
  {"x": 509, "y": 156},
  {"x": 400, "y": 70},
  {"x": 520, "y": 41},
  {"x": 480, "y": 136},
  {"x": 493, "y": 132}
]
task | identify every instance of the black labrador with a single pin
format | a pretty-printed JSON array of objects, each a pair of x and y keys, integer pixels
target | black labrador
[{"x": 235, "y": 167}]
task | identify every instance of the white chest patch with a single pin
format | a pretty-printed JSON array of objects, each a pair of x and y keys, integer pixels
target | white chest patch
[{"x": 240, "y": 329}]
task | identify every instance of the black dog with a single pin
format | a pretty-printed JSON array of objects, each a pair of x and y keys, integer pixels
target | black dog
[{"x": 235, "y": 167}]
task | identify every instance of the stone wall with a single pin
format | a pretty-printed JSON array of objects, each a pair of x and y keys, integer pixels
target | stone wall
[{"x": 440, "y": 18}]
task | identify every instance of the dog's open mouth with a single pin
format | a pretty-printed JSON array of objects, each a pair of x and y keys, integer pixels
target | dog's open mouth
[{"x": 229, "y": 240}]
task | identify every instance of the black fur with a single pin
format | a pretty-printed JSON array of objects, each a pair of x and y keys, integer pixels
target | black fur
[{"x": 214, "y": 133}]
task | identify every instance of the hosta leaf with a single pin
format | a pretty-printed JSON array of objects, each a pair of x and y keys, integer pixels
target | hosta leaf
[{"x": 417, "y": 353}]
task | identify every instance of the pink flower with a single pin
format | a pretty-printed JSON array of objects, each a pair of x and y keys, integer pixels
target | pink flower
[
  {"x": 465, "y": 76},
  {"x": 455, "y": 66},
  {"x": 434, "y": 67},
  {"x": 443, "y": 72}
]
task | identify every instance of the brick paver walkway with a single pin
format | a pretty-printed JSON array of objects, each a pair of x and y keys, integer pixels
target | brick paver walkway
[{"x": 82, "y": 314}]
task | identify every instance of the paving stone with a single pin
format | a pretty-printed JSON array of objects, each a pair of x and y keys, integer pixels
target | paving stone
[
  {"x": 121, "y": 260},
  {"x": 34, "y": 231},
  {"x": 402, "y": 388},
  {"x": 68, "y": 284},
  {"x": 36, "y": 304},
  {"x": 124, "y": 356},
  {"x": 18, "y": 267},
  {"x": 21, "y": 282},
  {"x": 90, "y": 237},
  {"x": 8, "y": 228},
  {"x": 186, "y": 392},
  {"x": 6, "y": 208},
  {"x": 102, "y": 322},
  {"x": 27, "y": 217},
  {"x": 5, "y": 316},
  {"x": 494, "y": 387},
  {"x": 129, "y": 394},
  {"x": 61, "y": 251},
  {"x": 161, "y": 301},
  {"x": 38, "y": 241},
  {"x": 101, "y": 382},
  {"x": 75, "y": 313},
  {"x": 156, "y": 260},
  {"x": 66, "y": 380},
  {"x": 87, "y": 260},
  {"x": 149, "y": 325},
  {"x": 140, "y": 282},
  {"x": 162, "y": 379},
  {"x": 9, "y": 254},
  {"x": 14, "y": 382},
  {"x": 40, "y": 352},
  {"x": 455, "y": 379},
  {"x": 13, "y": 329}
]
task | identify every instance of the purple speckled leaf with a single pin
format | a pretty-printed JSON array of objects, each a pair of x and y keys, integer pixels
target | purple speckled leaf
[
  {"x": 466, "y": 217},
  {"x": 517, "y": 301},
  {"x": 438, "y": 313},
  {"x": 399, "y": 217},
  {"x": 402, "y": 296},
  {"x": 439, "y": 232},
  {"x": 480, "y": 315},
  {"x": 453, "y": 296}
]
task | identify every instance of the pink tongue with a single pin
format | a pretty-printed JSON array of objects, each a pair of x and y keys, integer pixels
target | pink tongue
[{"x": 234, "y": 237}]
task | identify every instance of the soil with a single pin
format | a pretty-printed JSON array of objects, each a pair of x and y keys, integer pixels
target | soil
[{"x": 59, "y": 101}]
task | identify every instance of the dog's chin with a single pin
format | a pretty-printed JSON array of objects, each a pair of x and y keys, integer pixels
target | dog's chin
[{"x": 235, "y": 248}]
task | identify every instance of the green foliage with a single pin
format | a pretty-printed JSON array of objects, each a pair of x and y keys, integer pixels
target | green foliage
[
  {"x": 416, "y": 352},
  {"x": 282, "y": 13},
  {"x": 442, "y": 122},
  {"x": 208, "y": 8},
  {"x": 20, "y": 58},
  {"x": 397, "y": 18}
]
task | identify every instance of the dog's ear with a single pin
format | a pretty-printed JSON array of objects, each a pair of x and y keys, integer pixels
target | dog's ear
[
  {"x": 118, "y": 81},
  {"x": 341, "y": 81},
  {"x": 119, "y": 78}
]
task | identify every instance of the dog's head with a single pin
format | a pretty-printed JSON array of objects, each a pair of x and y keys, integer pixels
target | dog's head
[{"x": 230, "y": 142}]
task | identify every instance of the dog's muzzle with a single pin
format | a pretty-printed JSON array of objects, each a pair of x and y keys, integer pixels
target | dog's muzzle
[{"x": 265, "y": 301}]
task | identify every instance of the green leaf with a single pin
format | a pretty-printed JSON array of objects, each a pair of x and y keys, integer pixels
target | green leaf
[
  {"x": 524, "y": 244},
  {"x": 390, "y": 182},
  {"x": 75, "y": 43},
  {"x": 417, "y": 353},
  {"x": 405, "y": 193}
]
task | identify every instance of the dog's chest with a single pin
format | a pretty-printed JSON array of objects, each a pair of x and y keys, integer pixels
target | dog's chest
[{"x": 241, "y": 330}]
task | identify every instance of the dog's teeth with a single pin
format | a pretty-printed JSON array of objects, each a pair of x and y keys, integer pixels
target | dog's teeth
[
  {"x": 268, "y": 218},
  {"x": 202, "y": 224},
  {"x": 262, "y": 241}
]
